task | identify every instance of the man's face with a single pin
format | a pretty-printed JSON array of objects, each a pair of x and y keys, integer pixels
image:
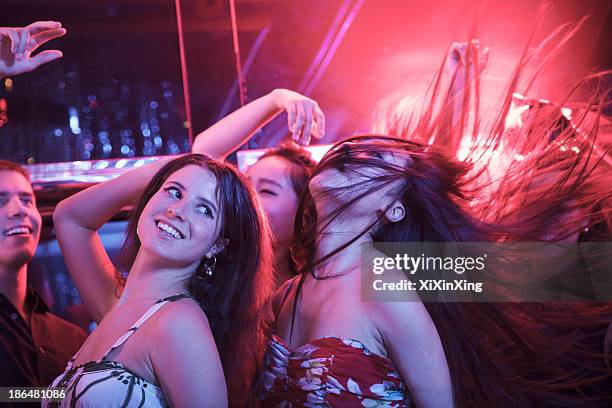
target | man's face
[{"x": 20, "y": 220}]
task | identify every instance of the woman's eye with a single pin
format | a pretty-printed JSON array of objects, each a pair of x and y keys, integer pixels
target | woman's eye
[
  {"x": 268, "y": 192},
  {"x": 27, "y": 201},
  {"x": 205, "y": 210},
  {"x": 173, "y": 192}
]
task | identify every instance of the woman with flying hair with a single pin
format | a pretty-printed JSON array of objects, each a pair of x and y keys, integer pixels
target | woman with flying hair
[{"x": 333, "y": 349}]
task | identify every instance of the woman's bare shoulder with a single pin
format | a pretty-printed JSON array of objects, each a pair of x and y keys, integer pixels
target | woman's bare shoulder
[{"x": 180, "y": 316}]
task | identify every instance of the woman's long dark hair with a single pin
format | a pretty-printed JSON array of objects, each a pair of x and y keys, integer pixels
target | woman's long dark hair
[
  {"x": 429, "y": 188},
  {"x": 492, "y": 360},
  {"x": 498, "y": 354},
  {"x": 235, "y": 298}
]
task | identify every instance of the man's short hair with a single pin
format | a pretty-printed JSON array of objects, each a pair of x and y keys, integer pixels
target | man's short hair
[{"x": 6, "y": 165}]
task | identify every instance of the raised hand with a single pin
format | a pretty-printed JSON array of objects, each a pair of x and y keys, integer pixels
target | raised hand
[
  {"x": 304, "y": 116},
  {"x": 18, "y": 43},
  {"x": 467, "y": 55}
]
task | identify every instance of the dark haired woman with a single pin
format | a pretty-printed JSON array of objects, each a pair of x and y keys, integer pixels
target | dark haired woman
[
  {"x": 333, "y": 349},
  {"x": 280, "y": 175},
  {"x": 191, "y": 314}
]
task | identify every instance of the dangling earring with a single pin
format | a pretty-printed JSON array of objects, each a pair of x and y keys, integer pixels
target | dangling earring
[{"x": 209, "y": 267}]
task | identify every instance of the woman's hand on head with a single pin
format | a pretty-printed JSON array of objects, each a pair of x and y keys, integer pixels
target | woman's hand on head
[
  {"x": 305, "y": 118},
  {"x": 18, "y": 43}
]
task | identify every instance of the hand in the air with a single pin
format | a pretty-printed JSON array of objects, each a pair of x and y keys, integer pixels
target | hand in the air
[
  {"x": 304, "y": 116},
  {"x": 465, "y": 55},
  {"x": 18, "y": 43}
]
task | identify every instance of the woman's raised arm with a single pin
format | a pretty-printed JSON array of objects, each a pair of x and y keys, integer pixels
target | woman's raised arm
[
  {"x": 304, "y": 119},
  {"x": 77, "y": 220}
]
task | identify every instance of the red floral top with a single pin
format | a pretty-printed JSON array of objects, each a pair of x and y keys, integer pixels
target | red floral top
[{"x": 330, "y": 372}]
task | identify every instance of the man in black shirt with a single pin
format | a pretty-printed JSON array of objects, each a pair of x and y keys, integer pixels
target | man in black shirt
[{"x": 35, "y": 345}]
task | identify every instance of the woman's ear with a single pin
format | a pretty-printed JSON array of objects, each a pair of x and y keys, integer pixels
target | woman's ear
[
  {"x": 396, "y": 212},
  {"x": 217, "y": 247}
]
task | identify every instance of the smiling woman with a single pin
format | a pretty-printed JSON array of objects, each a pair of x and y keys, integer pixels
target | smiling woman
[
  {"x": 164, "y": 228},
  {"x": 197, "y": 262}
]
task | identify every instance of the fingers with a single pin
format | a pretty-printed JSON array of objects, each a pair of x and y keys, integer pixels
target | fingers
[
  {"x": 299, "y": 122},
  {"x": 466, "y": 53},
  {"x": 485, "y": 58},
  {"x": 19, "y": 35},
  {"x": 24, "y": 36},
  {"x": 463, "y": 50},
  {"x": 456, "y": 56},
  {"x": 319, "y": 120},
  {"x": 45, "y": 36},
  {"x": 308, "y": 116},
  {"x": 44, "y": 57},
  {"x": 291, "y": 116},
  {"x": 41, "y": 26},
  {"x": 455, "y": 50},
  {"x": 14, "y": 40},
  {"x": 304, "y": 116}
]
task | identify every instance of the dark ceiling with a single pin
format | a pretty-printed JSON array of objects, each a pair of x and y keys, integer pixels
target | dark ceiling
[{"x": 389, "y": 48}]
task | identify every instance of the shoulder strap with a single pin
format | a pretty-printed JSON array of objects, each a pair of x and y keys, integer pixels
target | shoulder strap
[
  {"x": 177, "y": 297},
  {"x": 288, "y": 291},
  {"x": 150, "y": 312}
]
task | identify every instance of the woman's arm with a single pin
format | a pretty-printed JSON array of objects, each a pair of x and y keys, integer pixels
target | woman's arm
[
  {"x": 414, "y": 346},
  {"x": 77, "y": 220},
  {"x": 465, "y": 62},
  {"x": 231, "y": 132}
]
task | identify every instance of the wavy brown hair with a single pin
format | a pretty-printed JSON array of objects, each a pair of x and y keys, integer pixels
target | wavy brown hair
[{"x": 235, "y": 298}]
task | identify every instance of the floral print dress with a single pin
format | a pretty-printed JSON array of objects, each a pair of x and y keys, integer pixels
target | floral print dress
[{"x": 330, "y": 372}]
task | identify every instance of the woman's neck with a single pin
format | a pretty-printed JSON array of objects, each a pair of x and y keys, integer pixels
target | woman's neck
[
  {"x": 282, "y": 265},
  {"x": 333, "y": 237},
  {"x": 148, "y": 280}
]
